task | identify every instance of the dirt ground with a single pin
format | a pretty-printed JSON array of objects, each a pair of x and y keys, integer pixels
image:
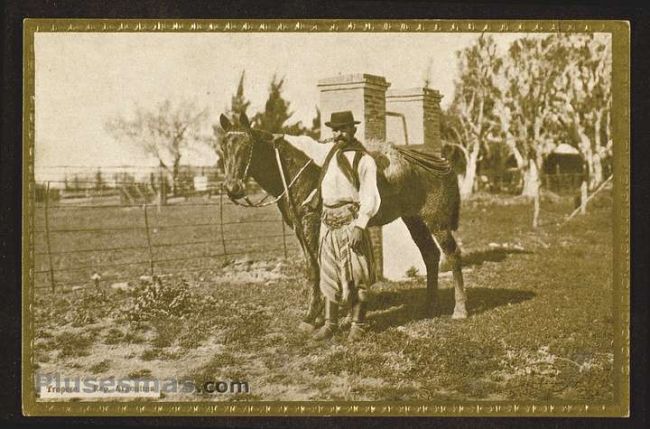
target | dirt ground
[{"x": 540, "y": 323}]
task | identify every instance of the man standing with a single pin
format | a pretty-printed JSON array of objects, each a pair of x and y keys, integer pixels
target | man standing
[{"x": 348, "y": 185}]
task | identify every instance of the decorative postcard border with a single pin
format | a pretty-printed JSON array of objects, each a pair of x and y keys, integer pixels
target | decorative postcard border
[{"x": 618, "y": 407}]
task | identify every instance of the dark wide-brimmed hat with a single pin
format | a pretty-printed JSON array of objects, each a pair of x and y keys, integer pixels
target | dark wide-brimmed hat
[{"x": 341, "y": 119}]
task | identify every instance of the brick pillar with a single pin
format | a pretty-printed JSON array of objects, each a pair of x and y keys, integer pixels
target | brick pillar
[
  {"x": 365, "y": 96},
  {"x": 421, "y": 109}
]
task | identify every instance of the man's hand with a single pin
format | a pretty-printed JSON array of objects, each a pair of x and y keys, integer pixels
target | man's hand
[{"x": 357, "y": 239}]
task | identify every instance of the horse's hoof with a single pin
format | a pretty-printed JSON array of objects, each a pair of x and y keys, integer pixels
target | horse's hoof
[
  {"x": 306, "y": 327},
  {"x": 459, "y": 313}
]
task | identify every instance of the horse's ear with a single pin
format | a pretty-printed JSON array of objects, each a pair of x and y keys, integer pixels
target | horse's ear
[
  {"x": 225, "y": 123},
  {"x": 244, "y": 122}
]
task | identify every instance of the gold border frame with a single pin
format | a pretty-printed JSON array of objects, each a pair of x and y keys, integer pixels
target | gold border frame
[{"x": 618, "y": 407}]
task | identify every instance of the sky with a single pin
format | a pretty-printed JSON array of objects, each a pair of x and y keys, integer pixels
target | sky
[{"x": 83, "y": 79}]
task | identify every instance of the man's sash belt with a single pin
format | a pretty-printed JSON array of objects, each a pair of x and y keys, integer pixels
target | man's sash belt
[{"x": 339, "y": 214}]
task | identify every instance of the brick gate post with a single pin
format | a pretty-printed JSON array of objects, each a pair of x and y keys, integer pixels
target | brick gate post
[{"x": 420, "y": 107}]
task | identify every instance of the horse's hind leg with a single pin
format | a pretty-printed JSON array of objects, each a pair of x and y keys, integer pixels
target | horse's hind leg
[
  {"x": 431, "y": 257},
  {"x": 448, "y": 245}
]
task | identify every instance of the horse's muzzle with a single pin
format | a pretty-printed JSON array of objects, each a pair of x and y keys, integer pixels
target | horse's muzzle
[{"x": 235, "y": 189}]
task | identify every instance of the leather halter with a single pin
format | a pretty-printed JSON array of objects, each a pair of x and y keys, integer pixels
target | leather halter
[{"x": 263, "y": 202}]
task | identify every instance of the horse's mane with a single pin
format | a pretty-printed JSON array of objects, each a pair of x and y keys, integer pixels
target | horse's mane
[{"x": 269, "y": 138}]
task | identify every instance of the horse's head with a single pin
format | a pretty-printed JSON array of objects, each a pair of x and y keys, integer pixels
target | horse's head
[{"x": 236, "y": 151}]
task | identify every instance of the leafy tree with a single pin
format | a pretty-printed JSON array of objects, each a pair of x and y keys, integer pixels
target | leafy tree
[
  {"x": 238, "y": 102},
  {"x": 584, "y": 99},
  {"x": 238, "y": 105},
  {"x": 558, "y": 89},
  {"x": 471, "y": 120},
  {"x": 314, "y": 131},
  {"x": 276, "y": 111},
  {"x": 163, "y": 132},
  {"x": 526, "y": 112}
]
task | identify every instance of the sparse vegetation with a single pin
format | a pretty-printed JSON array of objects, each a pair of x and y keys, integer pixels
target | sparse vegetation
[
  {"x": 540, "y": 325},
  {"x": 158, "y": 300},
  {"x": 140, "y": 374},
  {"x": 100, "y": 367},
  {"x": 412, "y": 272},
  {"x": 73, "y": 345}
]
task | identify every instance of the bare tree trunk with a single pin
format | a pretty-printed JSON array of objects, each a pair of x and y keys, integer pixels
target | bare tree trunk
[
  {"x": 162, "y": 189},
  {"x": 532, "y": 185},
  {"x": 531, "y": 180},
  {"x": 175, "y": 173},
  {"x": 467, "y": 182},
  {"x": 536, "y": 204},
  {"x": 596, "y": 171}
]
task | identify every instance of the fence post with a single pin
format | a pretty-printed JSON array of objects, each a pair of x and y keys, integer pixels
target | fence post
[
  {"x": 223, "y": 238},
  {"x": 162, "y": 191},
  {"x": 47, "y": 235},
  {"x": 146, "y": 226},
  {"x": 284, "y": 238},
  {"x": 583, "y": 197},
  {"x": 600, "y": 188}
]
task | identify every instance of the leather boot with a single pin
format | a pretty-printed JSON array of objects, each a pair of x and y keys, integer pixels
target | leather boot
[
  {"x": 358, "y": 328},
  {"x": 331, "y": 321}
]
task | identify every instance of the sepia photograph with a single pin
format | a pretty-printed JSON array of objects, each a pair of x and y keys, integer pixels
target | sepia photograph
[{"x": 326, "y": 217}]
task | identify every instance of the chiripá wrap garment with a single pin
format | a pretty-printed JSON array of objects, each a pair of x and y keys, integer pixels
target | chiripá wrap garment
[{"x": 345, "y": 275}]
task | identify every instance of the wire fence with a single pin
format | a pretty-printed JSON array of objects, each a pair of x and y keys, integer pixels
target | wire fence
[
  {"x": 77, "y": 244},
  {"x": 87, "y": 226}
]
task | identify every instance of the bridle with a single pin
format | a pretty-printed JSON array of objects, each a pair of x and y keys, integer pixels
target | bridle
[{"x": 263, "y": 202}]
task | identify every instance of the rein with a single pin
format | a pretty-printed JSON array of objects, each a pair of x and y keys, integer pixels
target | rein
[{"x": 263, "y": 202}]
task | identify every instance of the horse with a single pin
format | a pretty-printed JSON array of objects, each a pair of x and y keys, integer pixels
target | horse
[{"x": 428, "y": 204}]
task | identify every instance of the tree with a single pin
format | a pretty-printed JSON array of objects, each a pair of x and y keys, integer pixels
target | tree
[
  {"x": 238, "y": 102},
  {"x": 584, "y": 99},
  {"x": 76, "y": 183},
  {"x": 100, "y": 183},
  {"x": 276, "y": 111},
  {"x": 528, "y": 112},
  {"x": 238, "y": 105},
  {"x": 163, "y": 132},
  {"x": 451, "y": 130},
  {"x": 470, "y": 117},
  {"x": 314, "y": 131}
]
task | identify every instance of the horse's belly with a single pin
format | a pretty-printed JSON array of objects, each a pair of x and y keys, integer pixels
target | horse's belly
[
  {"x": 394, "y": 207},
  {"x": 383, "y": 217}
]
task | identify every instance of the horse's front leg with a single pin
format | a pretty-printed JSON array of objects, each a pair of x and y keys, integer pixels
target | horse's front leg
[
  {"x": 311, "y": 231},
  {"x": 314, "y": 317}
]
